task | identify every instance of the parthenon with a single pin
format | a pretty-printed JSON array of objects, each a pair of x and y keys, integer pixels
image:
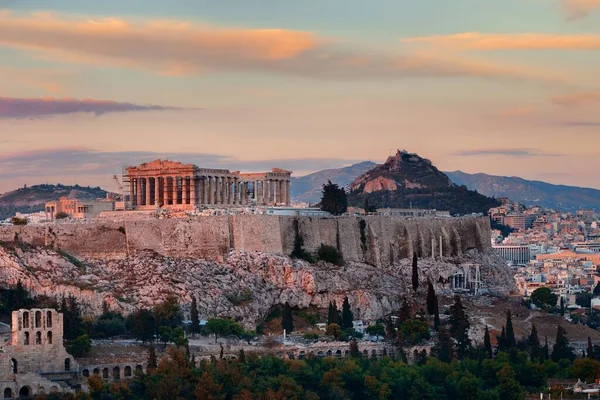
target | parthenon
[{"x": 170, "y": 184}]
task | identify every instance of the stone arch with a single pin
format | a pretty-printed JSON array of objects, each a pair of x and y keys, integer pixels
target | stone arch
[
  {"x": 38, "y": 337},
  {"x": 139, "y": 368},
  {"x": 26, "y": 319},
  {"x": 49, "y": 337},
  {"x": 329, "y": 353},
  {"x": 54, "y": 389},
  {"x": 25, "y": 392},
  {"x": 86, "y": 372},
  {"x": 320, "y": 354},
  {"x": 96, "y": 371},
  {"x": 374, "y": 353},
  {"x": 49, "y": 319},
  {"x": 105, "y": 373},
  {"x": 366, "y": 353},
  {"x": 338, "y": 353},
  {"x": 116, "y": 373},
  {"x": 67, "y": 364},
  {"x": 40, "y": 390},
  {"x": 26, "y": 339},
  {"x": 127, "y": 371},
  {"x": 38, "y": 319},
  {"x": 13, "y": 364},
  {"x": 301, "y": 355},
  {"x": 346, "y": 353},
  {"x": 8, "y": 394},
  {"x": 415, "y": 355}
]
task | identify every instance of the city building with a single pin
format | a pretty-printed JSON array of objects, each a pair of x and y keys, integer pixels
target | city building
[
  {"x": 411, "y": 212},
  {"x": 76, "y": 208},
  {"x": 514, "y": 254},
  {"x": 171, "y": 184}
]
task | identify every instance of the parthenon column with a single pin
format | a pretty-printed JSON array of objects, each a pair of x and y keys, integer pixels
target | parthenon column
[
  {"x": 138, "y": 193},
  {"x": 193, "y": 191},
  {"x": 236, "y": 191},
  {"x": 166, "y": 190},
  {"x": 288, "y": 195},
  {"x": 184, "y": 190},
  {"x": 217, "y": 190},
  {"x": 224, "y": 190},
  {"x": 281, "y": 192},
  {"x": 272, "y": 191},
  {"x": 227, "y": 190},
  {"x": 175, "y": 188},
  {"x": 265, "y": 191},
  {"x": 131, "y": 193},
  {"x": 156, "y": 190}
]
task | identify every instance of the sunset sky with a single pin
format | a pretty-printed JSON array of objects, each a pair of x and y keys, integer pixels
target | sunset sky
[{"x": 503, "y": 87}]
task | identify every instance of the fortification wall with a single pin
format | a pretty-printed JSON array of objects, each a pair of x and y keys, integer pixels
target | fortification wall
[{"x": 379, "y": 241}]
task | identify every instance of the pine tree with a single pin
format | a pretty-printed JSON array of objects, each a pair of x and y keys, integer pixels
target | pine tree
[
  {"x": 590, "y": 349},
  {"x": 335, "y": 313},
  {"x": 431, "y": 298},
  {"x": 502, "y": 341},
  {"x": 487, "y": 343},
  {"x": 194, "y": 316},
  {"x": 367, "y": 208},
  {"x": 287, "y": 319},
  {"x": 561, "y": 349},
  {"x": 404, "y": 311},
  {"x": 533, "y": 343},
  {"x": 510, "y": 333},
  {"x": 330, "y": 315},
  {"x": 562, "y": 306},
  {"x": 334, "y": 199},
  {"x": 459, "y": 328},
  {"x": 21, "y": 297},
  {"x": 152, "y": 363},
  {"x": 415, "y": 273},
  {"x": 596, "y": 291},
  {"x": 242, "y": 356},
  {"x": 347, "y": 316},
  {"x": 443, "y": 348},
  {"x": 436, "y": 315}
]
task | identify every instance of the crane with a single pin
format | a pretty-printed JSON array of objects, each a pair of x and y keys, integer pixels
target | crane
[{"x": 121, "y": 190}]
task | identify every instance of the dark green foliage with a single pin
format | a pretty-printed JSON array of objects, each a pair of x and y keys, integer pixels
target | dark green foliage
[
  {"x": 390, "y": 331},
  {"x": 444, "y": 349},
  {"x": 436, "y": 315},
  {"x": 168, "y": 313},
  {"x": 561, "y": 349},
  {"x": 143, "y": 325},
  {"x": 80, "y": 346},
  {"x": 414, "y": 331},
  {"x": 334, "y": 199},
  {"x": 459, "y": 328},
  {"x": 238, "y": 297},
  {"x": 533, "y": 342},
  {"x": 502, "y": 340},
  {"x": 584, "y": 299},
  {"x": 333, "y": 315},
  {"x": 597, "y": 290},
  {"x": 505, "y": 230},
  {"x": 61, "y": 215},
  {"x": 287, "y": 319},
  {"x": 376, "y": 330},
  {"x": 18, "y": 221},
  {"x": 330, "y": 254},
  {"x": 73, "y": 260},
  {"x": 404, "y": 311},
  {"x": 487, "y": 343},
  {"x": 122, "y": 230},
  {"x": 544, "y": 298},
  {"x": 195, "y": 328},
  {"x": 354, "y": 351},
  {"x": 590, "y": 349},
  {"x": 152, "y": 364},
  {"x": 14, "y": 298},
  {"x": 108, "y": 325},
  {"x": 545, "y": 350},
  {"x": 415, "y": 273},
  {"x": 510, "y": 333},
  {"x": 223, "y": 327},
  {"x": 431, "y": 298},
  {"x": 363, "y": 234},
  {"x": 347, "y": 316},
  {"x": 562, "y": 307},
  {"x": 72, "y": 320},
  {"x": 298, "y": 251}
]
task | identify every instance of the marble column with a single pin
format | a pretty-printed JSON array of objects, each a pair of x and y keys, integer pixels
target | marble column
[
  {"x": 271, "y": 191},
  {"x": 265, "y": 191},
  {"x": 217, "y": 190},
  {"x": 184, "y": 189},
  {"x": 236, "y": 192},
  {"x": 281, "y": 192},
  {"x": 147, "y": 191},
  {"x": 131, "y": 192},
  {"x": 193, "y": 191},
  {"x": 208, "y": 190},
  {"x": 288, "y": 194},
  {"x": 226, "y": 191},
  {"x": 175, "y": 190},
  {"x": 138, "y": 191},
  {"x": 156, "y": 190},
  {"x": 166, "y": 190}
]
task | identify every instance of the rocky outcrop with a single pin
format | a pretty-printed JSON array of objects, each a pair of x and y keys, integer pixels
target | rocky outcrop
[{"x": 246, "y": 285}]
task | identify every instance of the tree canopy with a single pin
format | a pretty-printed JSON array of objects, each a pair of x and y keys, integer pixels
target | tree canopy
[{"x": 334, "y": 199}]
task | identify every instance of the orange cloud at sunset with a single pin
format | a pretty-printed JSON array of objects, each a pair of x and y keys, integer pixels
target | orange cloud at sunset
[
  {"x": 577, "y": 99},
  {"x": 179, "y": 48},
  {"x": 577, "y": 9},
  {"x": 511, "y": 41}
]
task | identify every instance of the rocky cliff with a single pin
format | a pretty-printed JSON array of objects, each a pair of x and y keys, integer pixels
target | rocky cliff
[{"x": 246, "y": 285}]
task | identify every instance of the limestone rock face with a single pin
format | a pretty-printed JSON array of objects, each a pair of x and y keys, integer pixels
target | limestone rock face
[{"x": 245, "y": 285}]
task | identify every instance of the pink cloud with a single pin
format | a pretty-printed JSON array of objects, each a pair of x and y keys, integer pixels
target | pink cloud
[
  {"x": 27, "y": 108},
  {"x": 577, "y": 99},
  {"x": 577, "y": 9}
]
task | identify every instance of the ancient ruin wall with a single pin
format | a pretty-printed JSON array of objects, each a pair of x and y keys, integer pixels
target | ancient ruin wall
[{"x": 382, "y": 241}]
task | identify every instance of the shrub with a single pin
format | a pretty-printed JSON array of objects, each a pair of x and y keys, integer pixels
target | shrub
[
  {"x": 61, "y": 215},
  {"x": 311, "y": 335},
  {"x": 79, "y": 264},
  {"x": 363, "y": 234},
  {"x": 19, "y": 221},
  {"x": 330, "y": 254},
  {"x": 237, "y": 298},
  {"x": 122, "y": 229},
  {"x": 80, "y": 346}
]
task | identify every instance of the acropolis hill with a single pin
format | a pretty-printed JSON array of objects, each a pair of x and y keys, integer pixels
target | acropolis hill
[{"x": 135, "y": 263}]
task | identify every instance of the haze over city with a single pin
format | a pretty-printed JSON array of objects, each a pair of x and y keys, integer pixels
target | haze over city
[{"x": 506, "y": 88}]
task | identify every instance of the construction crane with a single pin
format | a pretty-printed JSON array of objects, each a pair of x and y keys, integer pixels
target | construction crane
[{"x": 121, "y": 190}]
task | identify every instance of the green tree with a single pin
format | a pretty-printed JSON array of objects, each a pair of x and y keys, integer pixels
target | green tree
[
  {"x": 80, "y": 346},
  {"x": 443, "y": 348},
  {"x": 168, "y": 313},
  {"x": 354, "y": 351},
  {"x": 533, "y": 342},
  {"x": 596, "y": 291},
  {"x": 459, "y": 327},
  {"x": 590, "y": 349},
  {"x": 502, "y": 340},
  {"x": 143, "y": 325},
  {"x": 487, "y": 343},
  {"x": 415, "y": 273},
  {"x": 223, "y": 327},
  {"x": 376, "y": 330},
  {"x": 194, "y": 316},
  {"x": 165, "y": 334},
  {"x": 545, "y": 350},
  {"x": 543, "y": 297},
  {"x": 72, "y": 320},
  {"x": 562, "y": 306},
  {"x": 334, "y": 199},
  {"x": 152, "y": 362},
  {"x": 404, "y": 311},
  {"x": 436, "y": 315},
  {"x": 333, "y": 330},
  {"x": 333, "y": 314},
  {"x": 561, "y": 349},
  {"x": 347, "y": 316},
  {"x": 508, "y": 385},
  {"x": 287, "y": 319},
  {"x": 511, "y": 342},
  {"x": 330, "y": 254},
  {"x": 584, "y": 299},
  {"x": 298, "y": 250}
]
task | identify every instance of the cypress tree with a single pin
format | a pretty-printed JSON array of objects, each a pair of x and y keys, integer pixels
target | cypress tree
[
  {"x": 590, "y": 349},
  {"x": 404, "y": 311},
  {"x": 347, "y": 317},
  {"x": 545, "y": 351},
  {"x": 390, "y": 331},
  {"x": 443, "y": 348},
  {"x": 533, "y": 343},
  {"x": 152, "y": 363},
  {"x": 502, "y": 340},
  {"x": 287, "y": 319},
  {"x": 334, "y": 314},
  {"x": 562, "y": 306},
  {"x": 415, "y": 273},
  {"x": 194, "y": 316},
  {"x": 436, "y": 315},
  {"x": 597, "y": 289},
  {"x": 510, "y": 333},
  {"x": 459, "y": 327},
  {"x": 431, "y": 298},
  {"x": 487, "y": 343},
  {"x": 366, "y": 206},
  {"x": 330, "y": 314},
  {"x": 561, "y": 349},
  {"x": 354, "y": 352}
]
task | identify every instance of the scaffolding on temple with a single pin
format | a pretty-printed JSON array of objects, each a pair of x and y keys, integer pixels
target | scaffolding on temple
[{"x": 467, "y": 278}]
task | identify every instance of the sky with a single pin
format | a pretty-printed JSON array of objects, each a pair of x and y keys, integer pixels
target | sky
[{"x": 501, "y": 87}]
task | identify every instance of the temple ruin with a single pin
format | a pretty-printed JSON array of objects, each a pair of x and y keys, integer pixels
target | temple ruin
[{"x": 170, "y": 184}]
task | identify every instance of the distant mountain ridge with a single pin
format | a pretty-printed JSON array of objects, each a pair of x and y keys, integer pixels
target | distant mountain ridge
[
  {"x": 409, "y": 180},
  {"x": 562, "y": 197},
  {"x": 32, "y": 198},
  {"x": 307, "y": 189}
]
